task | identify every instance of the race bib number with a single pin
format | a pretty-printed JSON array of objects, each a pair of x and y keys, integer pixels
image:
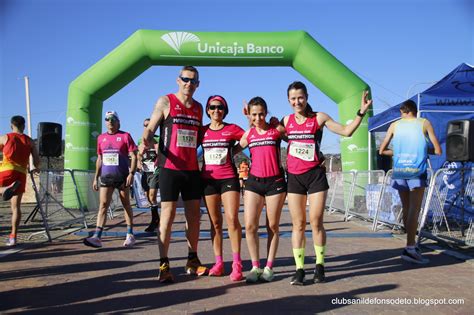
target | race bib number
[
  {"x": 302, "y": 151},
  {"x": 187, "y": 138},
  {"x": 149, "y": 167},
  {"x": 111, "y": 159},
  {"x": 215, "y": 156}
]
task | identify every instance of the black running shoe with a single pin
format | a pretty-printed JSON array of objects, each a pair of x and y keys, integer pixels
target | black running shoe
[
  {"x": 151, "y": 227},
  {"x": 165, "y": 273},
  {"x": 414, "y": 256},
  {"x": 298, "y": 278},
  {"x": 11, "y": 191},
  {"x": 319, "y": 274},
  {"x": 194, "y": 267}
]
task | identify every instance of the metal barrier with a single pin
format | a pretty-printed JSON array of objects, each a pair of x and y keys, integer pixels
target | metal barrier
[
  {"x": 341, "y": 191},
  {"x": 365, "y": 194},
  {"x": 90, "y": 198},
  {"x": 50, "y": 192},
  {"x": 446, "y": 224},
  {"x": 389, "y": 206}
]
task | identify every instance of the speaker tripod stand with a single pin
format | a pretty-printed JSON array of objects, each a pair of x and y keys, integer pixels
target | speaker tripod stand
[
  {"x": 43, "y": 201},
  {"x": 45, "y": 197}
]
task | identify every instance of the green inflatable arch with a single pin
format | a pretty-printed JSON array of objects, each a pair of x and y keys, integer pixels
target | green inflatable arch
[{"x": 146, "y": 48}]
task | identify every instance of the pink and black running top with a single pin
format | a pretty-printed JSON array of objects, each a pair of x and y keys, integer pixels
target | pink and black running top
[
  {"x": 304, "y": 142},
  {"x": 114, "y": 149},
  {"x": 217, "y": 146},
  {"x": 264, "y": 152},
  {"x": 179, "y": 136}
]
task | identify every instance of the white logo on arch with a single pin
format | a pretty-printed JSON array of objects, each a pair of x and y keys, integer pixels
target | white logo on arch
[
  {"x": 352, "y": 147},
  {"x": 177, "y": 39}
]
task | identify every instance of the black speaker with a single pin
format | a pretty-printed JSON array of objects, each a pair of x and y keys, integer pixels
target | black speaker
[
  {"x": 460, "y": 141},
  {"x": 49, "y": 139}
]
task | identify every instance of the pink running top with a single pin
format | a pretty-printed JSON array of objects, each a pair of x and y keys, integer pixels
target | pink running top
[
  {"x": 114, "y": 149},
  {"x": 303, "y": 144},
  {"x": 264, "y": 152},
  {"x": 179, "y": 136},
  {"x": 218, "y": 156}
]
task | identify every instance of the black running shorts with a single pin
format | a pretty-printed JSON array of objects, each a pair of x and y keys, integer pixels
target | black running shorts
[
  {"x": 311, "y": 182},
  {"x": 173, "y": 182},
  {"x": 266, "y": 186},
  {"x": 220, "y": 186},
  {"x": 115, "y": 181},
  {"x": 150, "y": 180}
]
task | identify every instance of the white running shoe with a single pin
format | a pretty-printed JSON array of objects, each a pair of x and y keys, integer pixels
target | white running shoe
[
  {"x": 253, "y": 275},
  {"x": 267, "y": 274},
  {"x": 129, "y": 240},
  {"x": 11, "y": 241}
]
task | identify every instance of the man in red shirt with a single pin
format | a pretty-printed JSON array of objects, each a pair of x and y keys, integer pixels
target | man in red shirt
[
  {"x": 16, "y": 148},
  {"x": 179, "y": 117}
]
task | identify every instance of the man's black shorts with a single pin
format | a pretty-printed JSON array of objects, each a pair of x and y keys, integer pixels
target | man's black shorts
[{"x": 173, "y": 182}]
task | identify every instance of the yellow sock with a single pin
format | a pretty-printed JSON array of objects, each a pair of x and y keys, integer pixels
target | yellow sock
[
  {"x": 320, "y": 251},
  {"x": 298, "y": 253}
]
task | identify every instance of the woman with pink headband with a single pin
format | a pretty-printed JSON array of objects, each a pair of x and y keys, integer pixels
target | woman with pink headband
[{"x": 221, "y": 182}]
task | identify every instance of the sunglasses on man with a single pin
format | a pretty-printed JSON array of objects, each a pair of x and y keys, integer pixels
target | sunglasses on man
[
  {"x": 112, "y": 119},
  {"x": 186, "y": 80}
]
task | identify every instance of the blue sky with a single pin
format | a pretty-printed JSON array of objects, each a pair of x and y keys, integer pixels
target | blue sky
[{"x": 395, "y": 46}]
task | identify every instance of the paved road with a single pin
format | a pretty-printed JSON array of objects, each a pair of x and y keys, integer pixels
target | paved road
[{"x": 66, "y": 277}]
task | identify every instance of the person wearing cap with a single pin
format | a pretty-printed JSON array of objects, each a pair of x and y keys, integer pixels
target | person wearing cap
[
  {"x": 220, "y": 141},
  {"x": 147, "y": 163},
  {"x": 179, "y": 117},
  {"x": 114, "y": 148},
  {"x": 16, "y": 148}
]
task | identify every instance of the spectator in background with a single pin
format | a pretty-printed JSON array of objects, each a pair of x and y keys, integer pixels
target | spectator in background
[
  {"x": 114, "y": 147},
  {"x": 410, "y": 154},
  {"x": 17, "y": 148},
  {"x": 243, "y": 174},
  {"x": 147, "y": 163}
]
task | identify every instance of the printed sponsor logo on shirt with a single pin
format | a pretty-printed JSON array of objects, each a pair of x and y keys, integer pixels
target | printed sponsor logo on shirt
[
  {"x": 291, "y": 125},
  {"x": 119, "y": 139},
  {"x": 227, "y": 133},
  {"x": 310, "y": 124}
]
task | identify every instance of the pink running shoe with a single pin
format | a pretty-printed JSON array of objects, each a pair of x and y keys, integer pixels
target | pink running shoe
[
  {"x": 236, "y": 274},
  {"x": 217, "y": 270}
]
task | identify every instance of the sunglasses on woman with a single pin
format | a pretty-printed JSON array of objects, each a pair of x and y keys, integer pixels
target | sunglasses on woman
[{"x": 214, "y": 107}]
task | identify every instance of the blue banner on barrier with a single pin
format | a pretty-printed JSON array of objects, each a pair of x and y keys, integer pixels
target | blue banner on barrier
[{"x": 453, "y": 208}]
